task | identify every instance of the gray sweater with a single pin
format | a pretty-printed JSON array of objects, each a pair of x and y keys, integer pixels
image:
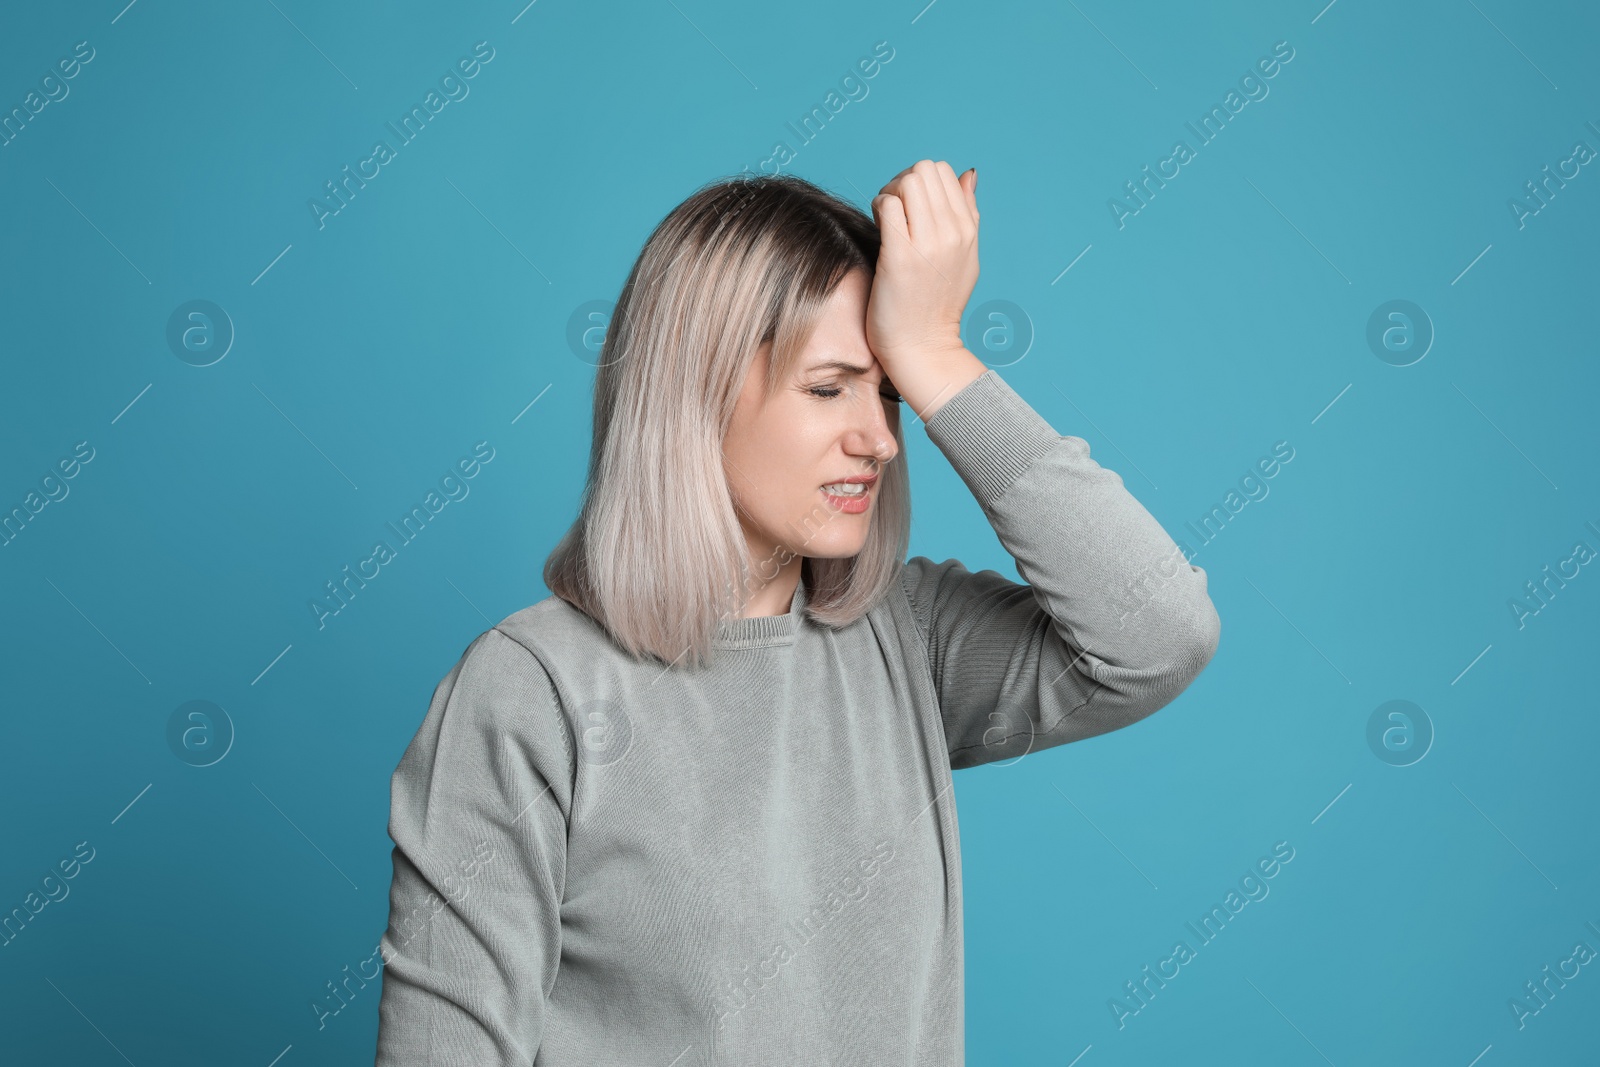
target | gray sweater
[{"x": 599, "y": 861}]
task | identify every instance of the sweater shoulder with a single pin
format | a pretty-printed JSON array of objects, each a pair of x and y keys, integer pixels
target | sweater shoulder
[{"x": 557, "y": 633}]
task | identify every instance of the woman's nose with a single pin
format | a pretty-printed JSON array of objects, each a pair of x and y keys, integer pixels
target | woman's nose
[{"x": 871, "y": 435}]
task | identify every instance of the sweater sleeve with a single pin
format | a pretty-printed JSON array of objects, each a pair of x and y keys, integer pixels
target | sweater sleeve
[
  {"x": 478, "y": 815},
  {"x": 1113, "y": 622}
]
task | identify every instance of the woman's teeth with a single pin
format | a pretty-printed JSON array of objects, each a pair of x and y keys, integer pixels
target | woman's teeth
[{"x": 846, "y": 488}]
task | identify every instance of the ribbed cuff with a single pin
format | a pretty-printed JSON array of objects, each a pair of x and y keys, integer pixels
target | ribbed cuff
[{"x": 990, "y": 435}]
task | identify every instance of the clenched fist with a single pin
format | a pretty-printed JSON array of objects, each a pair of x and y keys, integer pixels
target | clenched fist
[
  {"x": 928, "y": 260},
  {"x": 927, "y": 267}
]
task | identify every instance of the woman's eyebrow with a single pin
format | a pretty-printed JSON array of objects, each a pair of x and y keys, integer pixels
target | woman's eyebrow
[
  {"x": 838, "y": 364},
  {"x": 848, "y": 368}
]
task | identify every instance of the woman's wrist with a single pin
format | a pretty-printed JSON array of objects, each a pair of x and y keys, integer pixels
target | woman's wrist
[{"x": 927, "y": 379}]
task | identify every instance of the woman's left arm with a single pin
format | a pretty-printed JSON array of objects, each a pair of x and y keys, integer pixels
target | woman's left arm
[{"x": 1113, "y": 622}]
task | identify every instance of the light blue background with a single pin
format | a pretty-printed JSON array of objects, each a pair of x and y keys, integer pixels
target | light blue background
[{"x": 1230, "y": 313}]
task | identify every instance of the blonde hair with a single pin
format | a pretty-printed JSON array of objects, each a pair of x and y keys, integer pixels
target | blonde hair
[{"x": 657, "y": 556}]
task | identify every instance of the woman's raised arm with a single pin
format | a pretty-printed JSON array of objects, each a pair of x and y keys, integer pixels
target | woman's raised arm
[{"x": 1112, "y": 624}]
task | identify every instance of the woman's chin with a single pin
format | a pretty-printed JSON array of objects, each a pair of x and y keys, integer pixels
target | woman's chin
[{"x": 834, "y": 548}]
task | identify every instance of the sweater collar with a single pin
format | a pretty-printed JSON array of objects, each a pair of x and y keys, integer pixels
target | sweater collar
[{"x": 765, "y": 629}]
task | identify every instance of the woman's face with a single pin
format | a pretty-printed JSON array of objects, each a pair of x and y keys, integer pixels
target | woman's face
[{"x": 832, "y": 421}]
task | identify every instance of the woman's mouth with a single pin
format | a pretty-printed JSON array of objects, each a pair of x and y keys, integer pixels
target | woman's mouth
[{"x": 851, "y": 497}]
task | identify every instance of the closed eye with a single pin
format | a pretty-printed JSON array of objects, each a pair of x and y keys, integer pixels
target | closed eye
[{"x": 829, "y": 392}]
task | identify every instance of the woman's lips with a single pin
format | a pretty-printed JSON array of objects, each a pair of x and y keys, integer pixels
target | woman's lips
[{"x": 850, "y": 505}]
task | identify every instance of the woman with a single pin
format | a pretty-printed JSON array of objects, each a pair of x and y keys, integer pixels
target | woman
[{"x": 695, "y": 807}]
